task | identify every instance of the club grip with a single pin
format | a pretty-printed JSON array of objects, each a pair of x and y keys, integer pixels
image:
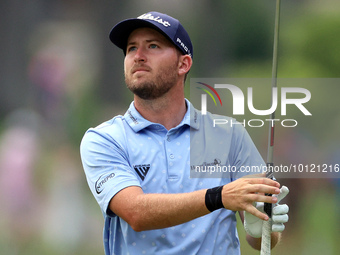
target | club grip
[{"x": 268, "y": 206}]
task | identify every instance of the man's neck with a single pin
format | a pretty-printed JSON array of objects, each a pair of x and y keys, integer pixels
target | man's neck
[{"x": 168, "y": 111}]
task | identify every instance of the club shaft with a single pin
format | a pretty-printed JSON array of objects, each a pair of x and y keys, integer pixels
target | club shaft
[
  {"x": 274, "y": 80},
  {"x": 266, "y": 229}
]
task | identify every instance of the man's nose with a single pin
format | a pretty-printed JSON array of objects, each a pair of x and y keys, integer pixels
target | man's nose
[{"x": 140, "y": 55}]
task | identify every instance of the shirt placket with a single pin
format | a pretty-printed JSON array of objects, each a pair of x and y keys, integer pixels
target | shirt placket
[{"x": 172, "y": 155}]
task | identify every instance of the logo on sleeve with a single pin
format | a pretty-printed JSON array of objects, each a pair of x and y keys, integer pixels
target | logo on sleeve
[
  {"x": 99, "y": 185},
  {"x": 142, "y": 170}
]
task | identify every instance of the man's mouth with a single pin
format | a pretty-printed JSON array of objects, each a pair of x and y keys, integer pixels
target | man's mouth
[{"x": 140, "y": 69}]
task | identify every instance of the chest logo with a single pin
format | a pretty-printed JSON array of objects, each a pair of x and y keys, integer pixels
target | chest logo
[{"x": 142, "y": 170}]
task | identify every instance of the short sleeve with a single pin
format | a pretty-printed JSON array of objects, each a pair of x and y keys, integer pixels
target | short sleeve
[
  {"x": 245, "y": 156},
  {"x": 106, "y": 167}
]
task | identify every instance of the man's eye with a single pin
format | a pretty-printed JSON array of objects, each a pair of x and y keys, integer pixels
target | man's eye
[
  {"x": 153, "y": 46},
  {"x": 132, "y": 48}
]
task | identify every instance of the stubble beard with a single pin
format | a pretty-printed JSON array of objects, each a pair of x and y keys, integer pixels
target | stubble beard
[{"x": 156, "y": 87}]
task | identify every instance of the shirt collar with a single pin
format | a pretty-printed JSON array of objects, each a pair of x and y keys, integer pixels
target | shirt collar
[
  {"x": 192, "y": 116},
  {"x": 137, "y": 122}
]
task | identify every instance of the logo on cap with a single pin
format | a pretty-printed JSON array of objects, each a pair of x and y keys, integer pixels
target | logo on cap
[
  {"x": 185, "y": 48},
  {"x": 153, "y": 18}
]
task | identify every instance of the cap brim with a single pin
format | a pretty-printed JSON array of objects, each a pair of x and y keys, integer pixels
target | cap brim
[{"x": 121, "y": 32}]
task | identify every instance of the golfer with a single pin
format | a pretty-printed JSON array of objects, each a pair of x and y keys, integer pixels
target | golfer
[{"x": 138, "y": 165}]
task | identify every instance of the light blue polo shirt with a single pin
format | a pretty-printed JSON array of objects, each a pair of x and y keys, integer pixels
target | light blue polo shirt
[{"x": 132, "y": 151}]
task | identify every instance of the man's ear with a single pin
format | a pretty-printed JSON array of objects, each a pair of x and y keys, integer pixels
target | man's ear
[{"x": 185, "y": 63}]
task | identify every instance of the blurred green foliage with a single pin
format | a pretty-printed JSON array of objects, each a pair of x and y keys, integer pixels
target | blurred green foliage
[{"x": 231, "y": 39}]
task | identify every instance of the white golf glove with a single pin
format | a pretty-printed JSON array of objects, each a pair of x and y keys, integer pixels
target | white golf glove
[{"x": 253, "y": 224}]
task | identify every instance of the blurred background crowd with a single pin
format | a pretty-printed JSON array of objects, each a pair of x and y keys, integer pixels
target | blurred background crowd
[{"x": 60, "y": 75}]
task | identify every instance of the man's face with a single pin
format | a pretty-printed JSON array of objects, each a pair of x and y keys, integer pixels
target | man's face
[{"x": 151, "y": 64}]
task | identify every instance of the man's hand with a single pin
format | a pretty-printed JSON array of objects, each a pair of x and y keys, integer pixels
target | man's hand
[
  {"x": 241, "y": 194},
  {"x": 253, "y": 225}
]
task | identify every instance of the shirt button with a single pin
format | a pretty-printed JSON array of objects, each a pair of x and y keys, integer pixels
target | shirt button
[
  {"x": 168, "y": 139},
  {"x": 172, "y": 156}
]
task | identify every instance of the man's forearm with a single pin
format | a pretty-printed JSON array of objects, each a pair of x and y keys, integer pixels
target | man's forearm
[{"x": 155, "y": 211}]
